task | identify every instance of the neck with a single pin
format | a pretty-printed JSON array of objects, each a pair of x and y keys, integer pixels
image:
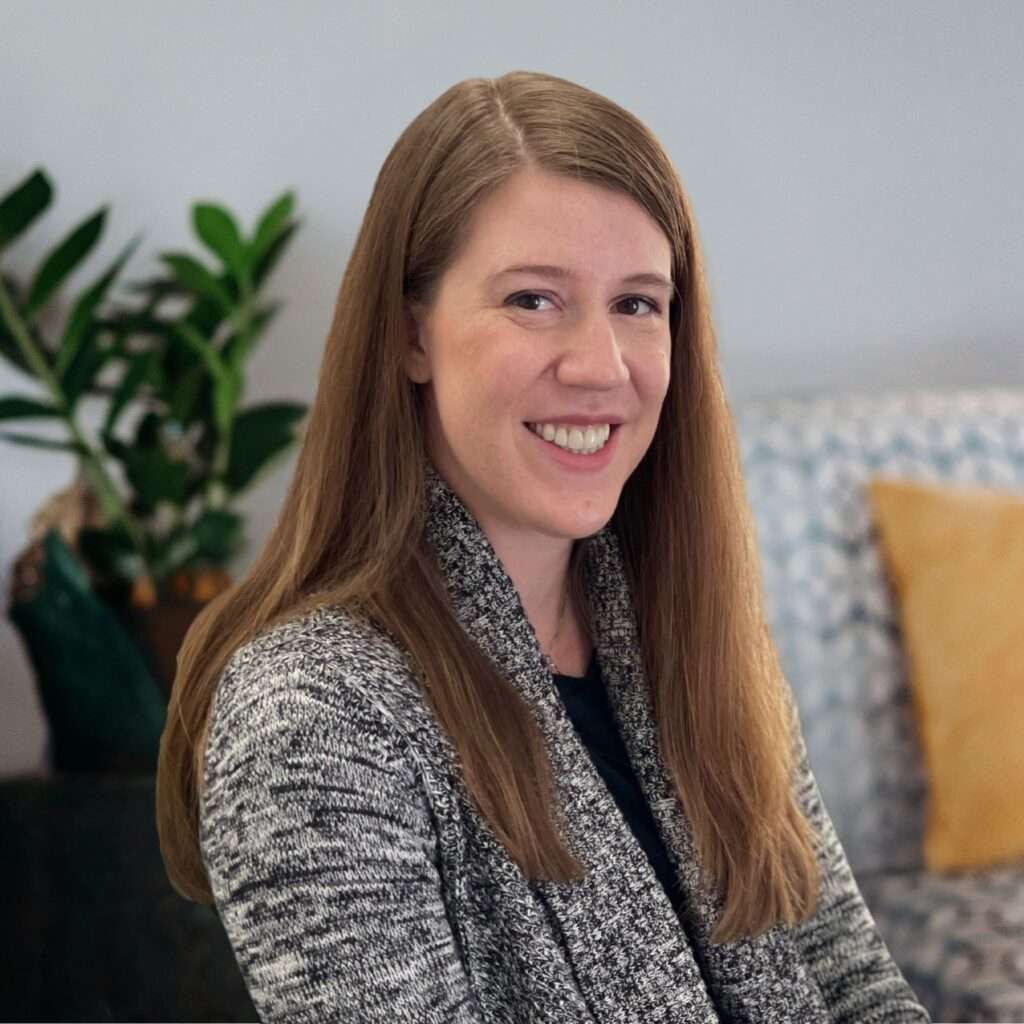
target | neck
[
  {"x": 551, "y": 611},
  {"x": 543, "y": 587},
  {"x": 538, "y": 566}
]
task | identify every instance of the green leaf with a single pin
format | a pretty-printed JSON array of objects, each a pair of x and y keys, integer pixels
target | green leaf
[
  {"x": 227, "y": 384},
  {"x": 174, "y": 551},
  {"x": 141, "y": 367},
  {"x": 206, "y": 442},
  {"x": 202, "y": 348},
  {"x": 157, "y": 288},
  {"x": 197, "y": 482},
  {"x": 270, "y": 225},
  {"x": 257, "y": 435},
  {"x": 80, "y": 375},
  {"x": 9, "y": 348},
  {"x": 194, "y": 276},
  {"x": 219, "y": 232},
  {"x": 226, "y": 392},
  {"x": 239, "y": 346},
  {"x": 263, "y": 266},
  {"x": 86, "y": 304},
  {"x": 115, "y": 447},
  {"x": 136, "y": 322},
  {"x": 120, "y": 340},
  {"x": 23, "y": 204},
  {"x": 15, "y": 407},
  {"x": 236, "y": 349},
  {"x": 42, "y": 442},
  {"x": 155, "y": 476},
  {"x": 185, "y": 393},
  {"x": 147, "y": 430},
  {"x": 110, "y": 551},
  {"x": 205, "y": 315},
  {"x": 75, "y": 247},
  {"x": 218, "y": 535}
]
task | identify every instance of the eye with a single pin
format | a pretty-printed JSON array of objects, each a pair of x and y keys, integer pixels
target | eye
[
  {"x": 513, "y": 299},
  {"x": 527, "y": 295},
  {"x": 655, "y": 308}
]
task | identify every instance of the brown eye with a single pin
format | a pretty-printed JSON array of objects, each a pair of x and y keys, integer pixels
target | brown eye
[
  {"x": 655, "y": 309},
  {"x": 527, "y": 295},
  {"x": 639, "y": 298}
]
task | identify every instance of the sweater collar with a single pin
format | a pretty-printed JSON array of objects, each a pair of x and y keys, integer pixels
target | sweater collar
[
  {"x": 483, "y": 596},
  {"x": 487, "y": 605}
]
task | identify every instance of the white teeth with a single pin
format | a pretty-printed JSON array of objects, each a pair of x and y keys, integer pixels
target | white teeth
[{"x": 582, "y": 441}]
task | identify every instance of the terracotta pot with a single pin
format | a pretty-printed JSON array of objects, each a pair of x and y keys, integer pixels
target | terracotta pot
[{"x": 158, "y": 623}]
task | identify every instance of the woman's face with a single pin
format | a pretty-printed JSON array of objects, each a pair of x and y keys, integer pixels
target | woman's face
[{"x": 500, "y": 349}]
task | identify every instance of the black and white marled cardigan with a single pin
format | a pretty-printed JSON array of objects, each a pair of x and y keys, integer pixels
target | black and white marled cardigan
[{"x": 357, "y": 882}]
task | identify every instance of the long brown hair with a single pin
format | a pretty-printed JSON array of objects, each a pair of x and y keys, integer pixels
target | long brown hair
[{"x": 351, "y": 530}]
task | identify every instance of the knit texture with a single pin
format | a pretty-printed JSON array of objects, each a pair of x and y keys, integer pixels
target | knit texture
[{"x": 357, "y": 882}]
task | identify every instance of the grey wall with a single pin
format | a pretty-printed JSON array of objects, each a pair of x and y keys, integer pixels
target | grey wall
[{"x": 856, "y": 170}]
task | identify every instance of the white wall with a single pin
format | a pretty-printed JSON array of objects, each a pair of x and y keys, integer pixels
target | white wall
[{"x": 856, "y": 170}]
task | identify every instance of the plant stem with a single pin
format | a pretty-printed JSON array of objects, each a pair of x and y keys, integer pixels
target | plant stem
[
  {"x": 97, "y": 475},
  {"x": 216, "y": 490}
]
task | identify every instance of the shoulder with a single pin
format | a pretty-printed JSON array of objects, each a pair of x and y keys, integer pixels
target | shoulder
[
  {"x": 310, "y": 786},
  {"x": 326, "y": 658},
  {"x": 322, "y": 680},
  {"x": 325, "y": 636}
]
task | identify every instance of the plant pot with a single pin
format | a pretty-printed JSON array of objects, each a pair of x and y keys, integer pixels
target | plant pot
[{"x": 158, "y": 622}]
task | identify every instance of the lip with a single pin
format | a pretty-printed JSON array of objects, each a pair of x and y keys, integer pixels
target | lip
[
  {"x": 579, "y": 463},
  {"x": 579, "y": 421}
]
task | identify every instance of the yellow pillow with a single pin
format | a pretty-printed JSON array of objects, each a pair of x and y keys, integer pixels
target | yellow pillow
[{"x": 955, "y": 560}]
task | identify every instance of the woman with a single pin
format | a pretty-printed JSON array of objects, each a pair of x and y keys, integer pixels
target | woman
[{"x": 493, "y": 730}]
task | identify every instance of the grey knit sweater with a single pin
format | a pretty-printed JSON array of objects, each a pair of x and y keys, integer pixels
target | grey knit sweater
[{"x": 357, "y": 882}]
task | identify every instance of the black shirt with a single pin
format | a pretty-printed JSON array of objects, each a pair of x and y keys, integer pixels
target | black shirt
[{"x": 586, "y": 701}]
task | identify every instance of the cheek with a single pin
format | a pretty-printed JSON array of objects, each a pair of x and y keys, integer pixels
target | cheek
[{"x": 655, "y": 374}]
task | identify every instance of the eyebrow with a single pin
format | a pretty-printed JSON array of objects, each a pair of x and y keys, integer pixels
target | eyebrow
[{"x": 563, "y": 274}]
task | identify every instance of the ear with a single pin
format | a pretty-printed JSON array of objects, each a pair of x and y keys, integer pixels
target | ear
[{"x": 417, "y": 361}]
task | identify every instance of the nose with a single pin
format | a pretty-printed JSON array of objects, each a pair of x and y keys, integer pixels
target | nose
[{"x": 591, "y": 355}]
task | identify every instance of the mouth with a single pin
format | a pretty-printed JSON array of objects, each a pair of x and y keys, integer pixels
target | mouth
[{"x": 567, "y": 457}]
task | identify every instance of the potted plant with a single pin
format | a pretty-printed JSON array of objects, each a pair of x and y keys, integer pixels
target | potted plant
[{"x": 120, "y": 561}]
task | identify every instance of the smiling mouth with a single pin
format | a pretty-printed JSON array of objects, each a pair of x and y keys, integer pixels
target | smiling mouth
[{"x": 613, "y": 427}]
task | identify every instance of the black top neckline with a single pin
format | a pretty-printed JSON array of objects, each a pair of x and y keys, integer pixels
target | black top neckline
[{"x": 591, "y": 672}]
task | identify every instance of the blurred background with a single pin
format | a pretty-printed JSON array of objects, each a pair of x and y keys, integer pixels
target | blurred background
[{"x": 856, "y": 171}]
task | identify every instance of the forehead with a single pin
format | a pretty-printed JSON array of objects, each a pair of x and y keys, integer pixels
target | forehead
[{"x": 541, "y": 218}]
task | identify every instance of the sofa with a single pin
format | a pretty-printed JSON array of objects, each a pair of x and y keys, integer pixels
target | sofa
[
  {"x": 92, "y": 930},
  {"x": 957, "y": 936}
]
